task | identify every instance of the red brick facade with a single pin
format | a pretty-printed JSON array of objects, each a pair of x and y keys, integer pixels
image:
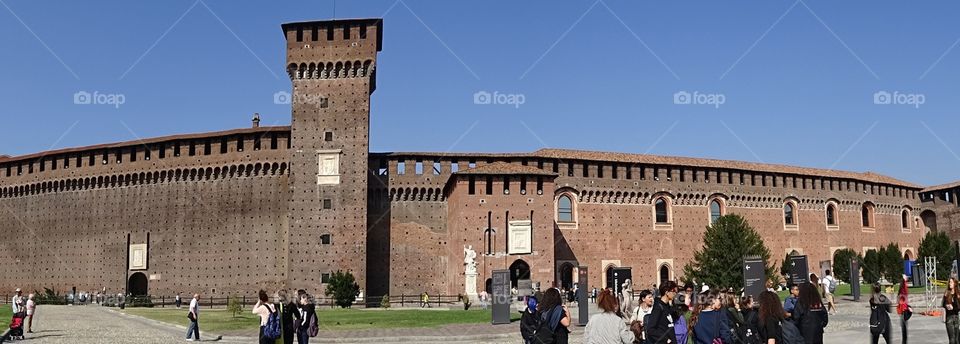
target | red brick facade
[{"x": 236, "y": 211}]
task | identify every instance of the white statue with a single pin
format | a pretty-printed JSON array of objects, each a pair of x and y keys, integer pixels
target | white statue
[
  {"x": 470, "y": 260},
  {"x": 626, "y": 299}
]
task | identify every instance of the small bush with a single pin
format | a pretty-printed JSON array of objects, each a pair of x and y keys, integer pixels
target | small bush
[
  {"x": 385, "y": 302},
  {"x": 841, "y": 263},
  {"x": 872, "y": 269},
  {"x": 343, "y": 288},
  {"x": 233, "y": 306}
]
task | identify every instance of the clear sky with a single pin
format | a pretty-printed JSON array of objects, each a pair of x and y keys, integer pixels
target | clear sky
[{"x": 782, "y": 81}]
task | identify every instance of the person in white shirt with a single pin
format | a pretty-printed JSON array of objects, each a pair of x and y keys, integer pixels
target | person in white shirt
[
  {"x": 17, "y": 302},
  {"x": 828, "y": 281},
  {"x": 194, "y": 327},
  {"x": 31, "y": 310}
]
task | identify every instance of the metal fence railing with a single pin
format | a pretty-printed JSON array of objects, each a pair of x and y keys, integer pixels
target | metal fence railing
[{"x": 215, "y": 302}]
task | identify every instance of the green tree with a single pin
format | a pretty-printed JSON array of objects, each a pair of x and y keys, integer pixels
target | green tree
[
  {"x": 937, "y": 244},
  {"x": 233, "y": 305},
  {"x": 841, "y": 263},
  {"x": 727, "y": 241},
  {"x": 892, "y": 262},
  {"x": 872, "y": 269},
  {"x": 785, "y": 266},
  {"x": 343, "y": 288}
]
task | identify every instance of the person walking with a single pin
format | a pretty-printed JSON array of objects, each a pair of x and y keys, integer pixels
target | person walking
[
  {"x": 951, "y": 306},
  {"x": 554, "y": 319},
  {"x": 528, "y": 320},
  {"x": 810, "y": 314},
  {"x": 708, "y": 323},
  {"x": 791, "y": 302},
  {"x": 903, "y": 307},
  {"x": 31, "y": 311},
  {"x": 17, "y": 302},
  {"x": 659, "y": 327},
  {"x": 829, "y": 287},
  {"x": 177, "y": 300},
  {"x": 264, "y": 308},
  {"x": 879, "y": 316},
  {"x": 305, "y": 317},
  {"x": 607, "y": 327},
  {"x": 771, "y": 314},
  {"x": 194, "y": 316}
]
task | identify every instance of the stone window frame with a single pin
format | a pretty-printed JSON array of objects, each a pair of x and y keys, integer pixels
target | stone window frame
[
  {"x": 722, "y": 200},
  {"x": 836, "y": 215},
  {"x": 668, "y": 200},
  {"x": 871, "y": 209},
  {"x": 795, "y": 205},
  {"x": 328, "y": 179},
  {"x": 574, "y": 205},
  {"x": 906, "y": 214}
]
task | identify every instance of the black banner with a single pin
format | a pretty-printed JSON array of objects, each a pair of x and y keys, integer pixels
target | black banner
[
  {"x": 501, "y": 297},
  {"x": 754, "y": 276},
  {"x": 855, "y": 279},
  {"x": 799, "y": 271}
]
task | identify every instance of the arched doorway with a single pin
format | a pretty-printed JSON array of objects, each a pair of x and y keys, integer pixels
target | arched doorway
[
  {"x": 489, "y": 286},
  {"x": 907, "y": 255},
  {"x": 566, "y": 276},
  {"x": 664, "y": 274},
  {"x": 137, "y": 285},
  {"x": 519, "y": 270},
  {"x": 929, "y": 219}
]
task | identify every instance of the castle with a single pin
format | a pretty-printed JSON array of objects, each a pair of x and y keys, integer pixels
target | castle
[{"x": 269, "y": 207}]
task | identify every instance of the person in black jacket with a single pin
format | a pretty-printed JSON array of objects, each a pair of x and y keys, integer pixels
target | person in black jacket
[
  {"x": 528, "y": 320},
  {"x": 287, "y": 308},
  {"x": 879, "y": 316},
  {"x": 305, "y": 313},
  {"x": 810, "y": 315},
  {"x": 659, "y": 329}
]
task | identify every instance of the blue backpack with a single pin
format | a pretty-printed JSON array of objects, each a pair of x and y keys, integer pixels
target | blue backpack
[{"x": 272, "y": 329}]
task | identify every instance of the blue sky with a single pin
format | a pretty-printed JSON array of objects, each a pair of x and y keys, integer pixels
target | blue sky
[{"x": 797, "y": 79}]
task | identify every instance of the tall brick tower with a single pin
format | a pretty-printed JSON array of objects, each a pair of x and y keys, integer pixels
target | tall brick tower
[{"x": 332, "y": 66}]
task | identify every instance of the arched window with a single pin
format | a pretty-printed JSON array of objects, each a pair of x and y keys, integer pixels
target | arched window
[
  {"x": 788, "y": 216},
  {"x": 565, "y": 209},
  {"x": 716, "y": 210},
  {"x": 866, "y": 215},
  {"x": 661, "y": 210},
  {"x": 905, "y": 219},
  {"x": 831, "y": 215}
]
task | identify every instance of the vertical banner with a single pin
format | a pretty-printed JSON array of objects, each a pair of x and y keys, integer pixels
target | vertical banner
[
  {"x": 583, "y": 301},
  {"x": 799, "y": 271},
  {"x": 754, "y": 276},
  {"x": 501, "y": 297},
  {"x": 855, "y": 279}
]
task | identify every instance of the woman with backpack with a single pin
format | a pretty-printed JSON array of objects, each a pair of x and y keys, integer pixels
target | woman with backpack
[
  {"x": 951, "y": 306},
  {"x": 771, "y": 316},
  {"x": 810, "y": 315},
  {"x": 607, "y": 327},
  {"x": 879, "y": 316},
  {"x": 306, "y": 319},
  {"x": 554, "y": 318},
  {"x": 269, "y": 319},
  {"x": 528, "y": 320},
  {"x": 708, "y": 322}
]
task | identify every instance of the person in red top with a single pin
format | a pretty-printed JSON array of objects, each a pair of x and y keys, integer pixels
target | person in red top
[{"x": 903, "y": 308}]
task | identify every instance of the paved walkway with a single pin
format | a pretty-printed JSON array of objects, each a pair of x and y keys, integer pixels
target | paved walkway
[{"x": 95, "y": 325}]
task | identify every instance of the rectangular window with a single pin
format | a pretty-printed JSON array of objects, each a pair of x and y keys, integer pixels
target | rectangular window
[
  {"x": 223, "y": 145},
  {"x": 325, "y": 278},
  {"x": 256, "y": 142},
  {"x": 614, "y": 173},
  {"x": 119, "y": 154},
  {"x": 489, "y": 186},
  {"x": 133, "y": 154},
  {"x": 43, "y": 165},
  {"x": 325, "y": 239},
  {"x": 401, "y": 167},
  {"x": 106, "y": 157},
  {"x": 586, "y": 170},
  {"x": 327, "y": 204},
  {"x": 454, "y": 167},
  {"x": 92, "y": 161},
  {"x": 329, "y": 32},
  {"x": 146, "y": 153},
  {"x": 328, "y": 136},
  {"x": 346, "y": 31},
  {"x": 240, "y": 144},
  {"x": 192, "y": 148},
  {"x": 206, "y": 147},
  {"x": 314, "y": 34},
  {"x": 273, "y": 140},
  {"x": 629, "y": 172},
  {"x": 176, "y": 149},
  {"x": 539, "y": 185},
  {"x": 53, "y": 164},
  {"x": 569, "y": 170},
  {"x": 506, "y": 185},
  {"x": 471, "y": 184},
  {"x": 363, "y": 32},
  {"x": 299, "y": 34},
  {"x": 162, "y": 152},
  {"x": 599, "y": 170},
  {"x": 418, "y": 168},
  {"x": 436, "y": 168}
]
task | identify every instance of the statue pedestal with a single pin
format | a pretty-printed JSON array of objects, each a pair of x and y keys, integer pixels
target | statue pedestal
[{"x": 470, "y": 287}]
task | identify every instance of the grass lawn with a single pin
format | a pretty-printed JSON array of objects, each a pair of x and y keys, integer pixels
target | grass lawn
[
  {"x": 6, "y": 312},
  {"x": 222, "y": 321},
  {"x": 865, "y": 291}
]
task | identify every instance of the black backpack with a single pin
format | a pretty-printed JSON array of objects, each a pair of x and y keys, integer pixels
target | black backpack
[
  {"x": 543, "y": 334},
  {"x": 791, "y": 334},
  {"x": 879, "y": 319},
  {"x": 747, "y": 333}
]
